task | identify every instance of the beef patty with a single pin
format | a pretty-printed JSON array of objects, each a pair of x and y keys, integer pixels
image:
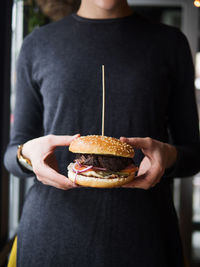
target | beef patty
[{"x": 111, "y": 163}]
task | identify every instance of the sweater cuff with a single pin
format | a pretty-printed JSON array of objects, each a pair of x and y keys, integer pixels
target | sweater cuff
[{"x": 12, "y": 164}]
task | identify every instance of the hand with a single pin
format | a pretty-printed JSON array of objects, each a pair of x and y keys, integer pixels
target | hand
[
  {"x": 158, "y": 156},
  {"x": 40, "y": 152}
]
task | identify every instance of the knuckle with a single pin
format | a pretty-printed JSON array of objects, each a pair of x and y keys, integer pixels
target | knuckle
[
  {"x": 160, "y": 169},
  {"x": 35, "y": 170},
  {"x": 49, "y": 138},
  {"x": 146, "y": 187},
  {"x": 39, "y": 178},
  {"x": 60, "y": 187},
  {"x": 149, "y": 141},
  {"x": 64, "y": 185},
  {"x": 148, "y": 184}
]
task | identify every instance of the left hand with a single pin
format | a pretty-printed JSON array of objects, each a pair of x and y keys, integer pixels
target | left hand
[{"x": 158, "y": 156}]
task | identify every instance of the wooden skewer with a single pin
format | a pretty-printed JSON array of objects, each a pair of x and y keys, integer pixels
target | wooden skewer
[{"x": 103, "y": 100}]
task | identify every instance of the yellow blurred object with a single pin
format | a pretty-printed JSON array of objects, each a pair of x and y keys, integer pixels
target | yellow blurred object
[
  {"x": 13, "y": 255},
  {"x": 197, "y": 3}
]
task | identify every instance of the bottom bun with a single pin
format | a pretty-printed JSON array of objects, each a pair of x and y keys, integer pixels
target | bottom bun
[{"x": 98, "y": 182}]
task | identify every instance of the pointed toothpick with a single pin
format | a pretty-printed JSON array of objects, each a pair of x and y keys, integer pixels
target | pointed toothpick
[{"x": 103, "y": 100}]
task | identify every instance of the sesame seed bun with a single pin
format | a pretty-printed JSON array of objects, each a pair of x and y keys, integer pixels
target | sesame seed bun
[{"x": 102, "y": 145}]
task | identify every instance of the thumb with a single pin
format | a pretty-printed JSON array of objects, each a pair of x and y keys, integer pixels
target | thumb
[
  {"x": 63, "y": 140},
  {"x": 136, "y": 142}
]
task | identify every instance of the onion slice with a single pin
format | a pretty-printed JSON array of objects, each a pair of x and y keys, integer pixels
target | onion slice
[
  {"x": 95, "y": 168},
  {"x": 79, "y": 171},
  {"x": 85, "y": 169},
  {"x": 76, "y": 161}
]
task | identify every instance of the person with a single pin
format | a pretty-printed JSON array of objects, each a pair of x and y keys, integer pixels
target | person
[{"x": 150, "y": 104}]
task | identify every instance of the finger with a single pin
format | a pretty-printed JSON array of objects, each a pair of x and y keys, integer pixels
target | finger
[
  {"x": 153, "y": 175},
  {"x": 62, "y": 140},
  {"x": 139, "y": 182},
  {"x": 48, "y": 182},
  {"x": 146, "y": 180},
  {"x": 138, "y": 142},
  {"x": 160, "y": 171},
  {"x": 50, "y": 176},
  {"x": 66, "y": 184},
  {"x": 60, "y": 179}
]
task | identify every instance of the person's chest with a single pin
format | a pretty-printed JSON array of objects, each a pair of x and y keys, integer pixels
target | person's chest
[{"x": 137, "y": 81}]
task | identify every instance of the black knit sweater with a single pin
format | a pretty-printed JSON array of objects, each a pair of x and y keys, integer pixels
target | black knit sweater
[{"x": 149, "y": 92}]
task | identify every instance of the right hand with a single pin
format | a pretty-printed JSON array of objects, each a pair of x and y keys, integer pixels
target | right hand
[{"x": 40, "y": 151}]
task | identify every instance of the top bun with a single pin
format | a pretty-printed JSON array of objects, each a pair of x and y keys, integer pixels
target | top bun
[{"x": 102, "y": 145}]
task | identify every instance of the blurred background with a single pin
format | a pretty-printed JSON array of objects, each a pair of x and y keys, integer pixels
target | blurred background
[{"x": 18, "y": 18}]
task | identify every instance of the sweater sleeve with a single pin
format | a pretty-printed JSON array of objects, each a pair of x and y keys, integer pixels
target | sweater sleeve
[
  {"x": 28, "y": 112},
  {"x": 183, "y": 115}
]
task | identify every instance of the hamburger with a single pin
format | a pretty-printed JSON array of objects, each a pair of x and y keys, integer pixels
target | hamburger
[{"x": 101, "y": 161}]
